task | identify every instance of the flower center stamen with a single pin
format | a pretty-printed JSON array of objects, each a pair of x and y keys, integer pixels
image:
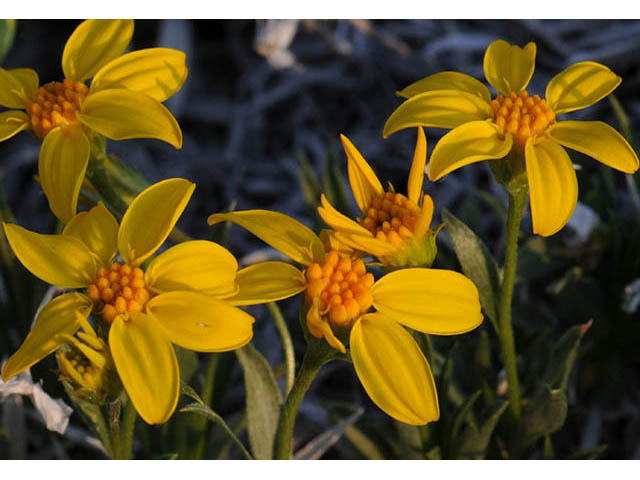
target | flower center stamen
[
  {"x": 121, "y": 289},
  {"x": 392, "y": 218},
  {"x": 57, "y": 104},
  {"x": 343, "y": 287},
  {"x": 521, "y": 115}
]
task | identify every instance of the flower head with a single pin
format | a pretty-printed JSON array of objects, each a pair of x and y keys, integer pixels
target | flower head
[
  {"x": 341, "y": 293},
  {"x": 393, "y": 228},
  {"x": 123, "y": 101},
  {"x": 517, "y": 124},
  {"x": 178, "y": 298}
]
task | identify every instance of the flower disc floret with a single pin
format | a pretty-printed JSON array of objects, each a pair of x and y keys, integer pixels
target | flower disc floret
[
  {"x": 56, "y": 104},
  {"x": 522, "y": 116},
  {"x": 120, "y": 289},
  {"x": 391, "y": 217},
  {"x": 343, "y": 288}
]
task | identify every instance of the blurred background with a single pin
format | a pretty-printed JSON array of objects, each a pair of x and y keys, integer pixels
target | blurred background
[{"x": 261, "y": 113}]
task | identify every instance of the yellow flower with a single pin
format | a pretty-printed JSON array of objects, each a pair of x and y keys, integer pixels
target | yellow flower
[
  {"x": 178, "y": 299},
  {"x": 123, "y": 101},
  {"x": 340, "y": 292},
  {"x": 393, "y": 228},
  {"x": 514, "y": 122}
]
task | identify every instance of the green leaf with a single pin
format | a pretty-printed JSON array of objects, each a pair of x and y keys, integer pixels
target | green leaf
[
  {"x": 187, "y": 362},
  {"x": 545, "y": 414},
  {"x": 263, "y": 401},
  {"x": 409, "y": 445},
  {"x": 323, "y": 442},
  {"x": 199, "y": 408},
  {"x": 367, "y": 448},
  {"x": 590, "y": 454},
  {"x": 563, "y": 356},
  {"x": 548, "y": 453},
  {"x": 92, "y": 416},
  {"x": 462, "y": 413},
  {"x": 7, "y": 34},
  {"x": 475, "y": 441},
  {"x": 477, "y": 263}
]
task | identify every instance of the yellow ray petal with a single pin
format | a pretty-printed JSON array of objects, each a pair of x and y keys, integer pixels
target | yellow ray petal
[
  {"x": 338, "y": 221},
  {"x": 147, "y": 366},
  {"x": 196, "y": 265},
  {"x": 12, "y": 122},
  {"x": 331, "y": 242},
  {"x": 508, "y": 68},
  {"x": 29, "y": 81},
  {"x": 425, "y": 218},
  {"x": 597, "y": 140},
  {"x": 121, "y": 114},
  {"x": 319, "y": 327},
  {"x": 364, "y": 183},
  {"x": 98, "y": 229},
  {"x": 393, "y": 370},
  {"x": 440, "y": 302},
  {"x": 282, "y": 232},
  {"x": 579, "y": 86},
  {"x": 157, "y": 72},
  {"x": 150, "y": 218},
  {"x": 440, "y": 108},
  {"x": 447, "y": 81},
  {"x": 56, "y": 317},
  {"x": 60, "y": 260},
  {"x": 63, "y": 161},
  {"x": 553, "y": 186},
  {"x": 416, "y": 175},
  {"x": 468, "y": 143},
  {"x": 267, "y": 282},
  {"x": 377, "y": 248},
  {"x": 201, "y": 323},
  {"x": 16, "y": 87},
  {"x": 93, "y": 44}
]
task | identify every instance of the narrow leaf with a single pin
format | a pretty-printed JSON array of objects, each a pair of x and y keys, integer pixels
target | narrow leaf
[
  {"x": 263, "y": 401},
  {"x": 363, "y": 443},
  {"x": 477, "y": 263},
  {"x": 475, "y": 441},
  {"x": 546, "y": 413},
  {"x": 563, "y": 356},
  {"x": 323, "y": 442}
]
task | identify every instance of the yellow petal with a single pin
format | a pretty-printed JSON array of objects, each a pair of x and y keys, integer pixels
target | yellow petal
[
  {"x": 597, "y": 140},
  {"x": 377, "y": 248},
  {"x": 440, "y": 108},
  {"x": 60, "y": 260},
  {"x": 440, "y": 302},
  {"x": 447, "y": 81},
  {"x": 63, "y": 161},
  {"x": 469, "y": 143},
  {"x": 147, "y": 366},
  {"x": 150, "y": 218},
  {"x": 319, "y": 327},
  {"x": 364, "y": 183},
  {"x": 93, "y": 44},
  {"x": 29, "y": 81},
  {"x": 201, "y": 323},
  {"x": 12, "y": 123},
  {"x": 426, "y": 215},
  {"x": 580, "y": 86},
  {"x": 416, "y": 175},
  {"x": 98, "y": 229},
  {"x": 16, "y": 87},
  {"x": 553, "y": 186},
  {"x": 56, "y": 317},
  {"x": 267, "y": 282},
  {"x": 157, "y": 72},
  {"x": 331, "y": 242},
  {"x": 121, "y": 114},
  {"x": 508, "y": 68},
  {"x": 338, "y": 221},
  {"x": 393, "y": 370},
  {"x": 282, "y": 232},
  {"x": 196, "y": 265}
]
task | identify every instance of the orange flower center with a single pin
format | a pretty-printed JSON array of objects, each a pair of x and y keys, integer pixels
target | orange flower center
[
  {"x": 391, "y": 217},
  {"x": 343, "y": 287},
  {"x": 522, "y": 116},
  {"x": 121, "y": 289},
  {"x": 57, "y": 104}
]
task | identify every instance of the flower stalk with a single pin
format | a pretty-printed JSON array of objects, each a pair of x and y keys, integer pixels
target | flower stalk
[{"x": 517, "y": 201}]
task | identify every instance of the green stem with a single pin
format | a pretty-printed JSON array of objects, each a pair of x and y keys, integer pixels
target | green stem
[
  {"x": 311, "y": 364},
  {"x": 517, "y": 202},
  {"x": 287, "y": 345},
  {"x": 126, "y": 432},
  {"x": 114, "y": 425}
]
